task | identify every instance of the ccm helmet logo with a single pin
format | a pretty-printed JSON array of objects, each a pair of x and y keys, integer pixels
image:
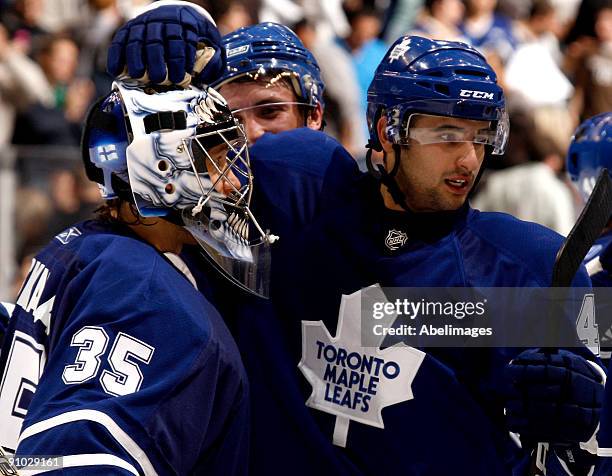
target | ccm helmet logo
[{"x": 466, "y": 93}]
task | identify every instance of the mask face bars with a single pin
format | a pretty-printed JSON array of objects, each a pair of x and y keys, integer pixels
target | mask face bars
[
  {"x": 232, "y": 157},
  {"x": 219, "y": 222}
]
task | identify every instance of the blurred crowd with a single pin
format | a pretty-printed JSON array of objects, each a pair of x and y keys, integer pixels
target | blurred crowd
[{"x": 553, "y": 57}]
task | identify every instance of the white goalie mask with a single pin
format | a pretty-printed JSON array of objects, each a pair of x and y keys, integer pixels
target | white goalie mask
[{"x": 172, "y": 153}]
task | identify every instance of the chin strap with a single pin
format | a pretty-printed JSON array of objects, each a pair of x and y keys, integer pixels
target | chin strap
[{"x": 379, "y": 172}]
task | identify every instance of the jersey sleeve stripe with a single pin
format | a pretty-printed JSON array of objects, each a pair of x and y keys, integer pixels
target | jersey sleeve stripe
[
  {"x": 604, "y": 452},
  {"x": 130, "y": 446},
  {"x": 94, "y": 459},
  {"x": 594, "y": 266}
]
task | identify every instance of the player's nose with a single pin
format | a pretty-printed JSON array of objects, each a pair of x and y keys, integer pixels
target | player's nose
[
  {"x": 230, "y": 183},
  {"x": 253, "y": 129},
  {"x": 469, "y": 156}
]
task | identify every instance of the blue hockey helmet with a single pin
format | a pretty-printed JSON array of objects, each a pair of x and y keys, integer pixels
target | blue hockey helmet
[
  {"x": 590, "y": 151},
  {"x": 166, "y": 151},
  {"x": 435, "y": 77},
  {"x": 270, "y": 48}
]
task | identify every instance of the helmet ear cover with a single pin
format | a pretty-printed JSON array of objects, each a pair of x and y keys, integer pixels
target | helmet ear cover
[
  {"x": 97, "y": 118},
  {"x": 102, "y": 120}
]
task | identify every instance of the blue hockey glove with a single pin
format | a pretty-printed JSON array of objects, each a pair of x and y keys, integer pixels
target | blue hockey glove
[
  {"x": 174, "y": 42},
  {"x": 554, "y": 398}
]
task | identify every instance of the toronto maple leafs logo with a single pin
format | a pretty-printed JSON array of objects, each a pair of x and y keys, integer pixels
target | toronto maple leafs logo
[
  {"x": 399, "y": 50},
  {"x": 395, "y": 239},
  {"x": 349, "y": 380}
]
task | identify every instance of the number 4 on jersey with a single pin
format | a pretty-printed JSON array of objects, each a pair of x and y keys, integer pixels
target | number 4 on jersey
[{"x": 586, "y": 325}]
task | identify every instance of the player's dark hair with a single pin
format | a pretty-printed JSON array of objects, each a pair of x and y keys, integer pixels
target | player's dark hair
[{"x": 110, "y": 212}]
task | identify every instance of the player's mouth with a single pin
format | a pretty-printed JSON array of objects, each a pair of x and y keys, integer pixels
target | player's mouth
[{"x": 459, "y": 184}]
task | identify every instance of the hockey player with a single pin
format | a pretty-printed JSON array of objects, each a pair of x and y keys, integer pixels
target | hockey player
[
  {"x": 455, "y": 423},
  {"x": 115, "y": 359},
  {"x": 435, "y": 110},
  {"x": 589, "y": 152}
]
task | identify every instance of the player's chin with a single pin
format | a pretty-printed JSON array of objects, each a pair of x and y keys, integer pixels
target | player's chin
[{"x": 451, "y": 202}]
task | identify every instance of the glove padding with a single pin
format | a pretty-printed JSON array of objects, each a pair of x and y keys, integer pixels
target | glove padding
[
  {"x": 168, "y": 44},
  {"x": 555, "y": 398}
]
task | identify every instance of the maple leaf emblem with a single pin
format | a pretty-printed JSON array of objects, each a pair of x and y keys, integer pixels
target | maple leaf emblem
[{"x": 349, "y": 380}]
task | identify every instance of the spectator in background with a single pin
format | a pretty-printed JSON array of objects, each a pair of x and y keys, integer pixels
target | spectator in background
[
  {"x": 534, "y": 80},
  {"x": 75, "y": 198},
  {"x": 97, "y": 33},
  {"x": 60, "y": 124},
  {"x": 532, "y": 191},
  {"x": 327, "y": 16},
  {"x": 22, "y": 19},
  {"x": 367, "y": 52},
  {"x": 440, "y": 20},
  {"x": 594, "y": 74},
  {"x": 401, "y": 18},
  {"x": 490, "y": 32},
  {"x": 22, "y": 83},
  {"x": 233, "y": 14},
  {"x": 584, "y": 21},
  {"x": 32, "y": 221},
  {"x": 342, "y": 92}
]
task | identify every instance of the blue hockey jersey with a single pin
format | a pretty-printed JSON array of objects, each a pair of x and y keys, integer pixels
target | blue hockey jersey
[
  {"x": 115, "y": 361},
  {"x": 454, "y": 422}
]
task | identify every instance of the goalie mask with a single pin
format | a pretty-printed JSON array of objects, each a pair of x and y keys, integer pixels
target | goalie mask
[{"x": 168, "y": 153}]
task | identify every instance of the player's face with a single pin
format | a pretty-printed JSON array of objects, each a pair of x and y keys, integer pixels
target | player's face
[
  {"x": 437, "y": 177},
  {"x": 263, "y": 108},
  {"x": 223, "y": 178}
]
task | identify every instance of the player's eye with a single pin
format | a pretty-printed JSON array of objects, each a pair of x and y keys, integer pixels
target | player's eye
[
  {"x": 271, "y": 111},
  {"x": 450, "y": 136}
]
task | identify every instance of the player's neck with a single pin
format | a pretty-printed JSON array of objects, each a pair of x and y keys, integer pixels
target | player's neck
[{"x": 159, "y": 233}]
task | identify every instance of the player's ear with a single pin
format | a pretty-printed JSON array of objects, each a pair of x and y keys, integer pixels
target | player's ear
[
  {"x": 314, "y": 119},
  {"x": 381, "y": 130}
]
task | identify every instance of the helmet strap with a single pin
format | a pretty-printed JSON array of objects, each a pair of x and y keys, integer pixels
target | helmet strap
[{"x": 388, "y": 178}]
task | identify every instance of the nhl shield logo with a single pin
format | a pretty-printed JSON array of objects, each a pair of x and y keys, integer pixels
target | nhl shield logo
[{"x": 395, "y": 239}]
